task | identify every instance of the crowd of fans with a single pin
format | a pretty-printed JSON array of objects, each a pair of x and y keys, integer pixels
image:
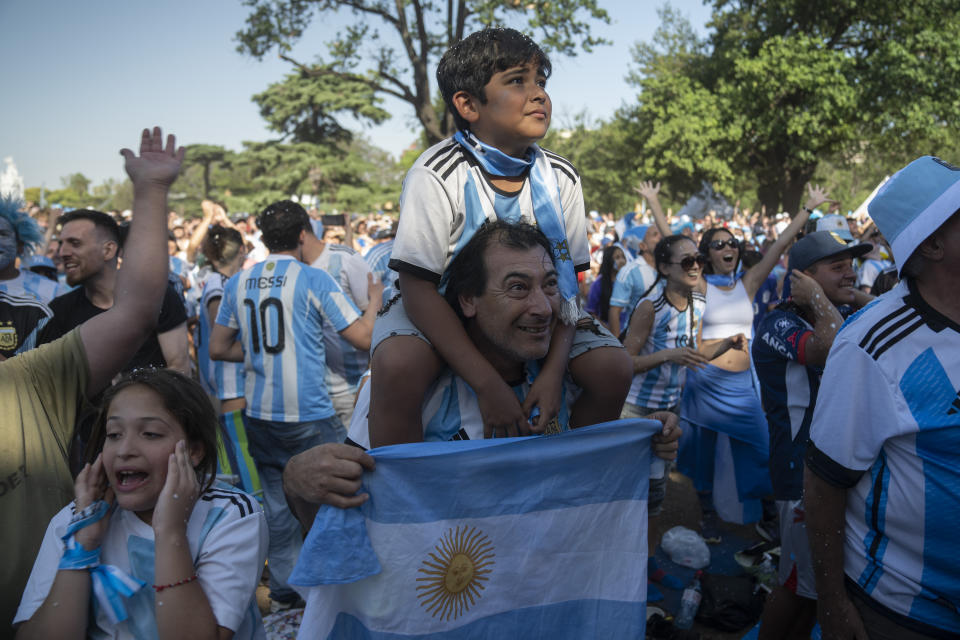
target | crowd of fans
[{"x": 263, "y": 354}]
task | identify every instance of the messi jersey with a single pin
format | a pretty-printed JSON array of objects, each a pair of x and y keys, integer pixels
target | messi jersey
[
  {"x": 659, "y": 388},
  {"x": 225, "y": 380},
  {"x": 887, "y": 428},
  {"x": 279, "y": 306}
]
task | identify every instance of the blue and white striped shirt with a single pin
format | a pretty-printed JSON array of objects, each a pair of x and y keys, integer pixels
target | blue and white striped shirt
[
  {"x": 279, "y": 307},
  {"x": 345, "y": 363},
  {"x": 28, "y": 284},
  {"x": 659, "y": 388},
  {"x": 378, "y": 259},
  {"x": 223, "y": 379},
  {"x": 887, "y": 427}
]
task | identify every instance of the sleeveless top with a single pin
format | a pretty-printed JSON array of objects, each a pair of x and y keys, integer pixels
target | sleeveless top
[{"x": 728, "y": 313}]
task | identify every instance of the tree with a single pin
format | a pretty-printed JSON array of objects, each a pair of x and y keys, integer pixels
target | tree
[
  {"x": 401, "y": 41},
  {"x": 780, "y": 85},
  {"x": 302, "y": 107}
]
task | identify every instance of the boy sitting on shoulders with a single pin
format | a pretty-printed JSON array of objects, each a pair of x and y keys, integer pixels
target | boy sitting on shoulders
[{"x": 494, "y": 84}]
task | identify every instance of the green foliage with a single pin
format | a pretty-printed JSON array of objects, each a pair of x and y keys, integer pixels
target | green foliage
[
  {"x": 602, "y": 156},
  {"x": 302, "y": 107},
  {"x": 781, "y": 86},
  {"x": 393, "y": 48}
]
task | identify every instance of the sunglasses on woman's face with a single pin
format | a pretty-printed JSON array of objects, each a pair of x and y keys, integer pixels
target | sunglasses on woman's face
[
  {"x": 687, "y": 263},
  {"x": 717, "y": 245}
]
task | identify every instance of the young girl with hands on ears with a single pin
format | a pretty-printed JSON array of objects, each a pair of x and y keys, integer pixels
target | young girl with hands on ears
[{"x": 159, "y": 549}]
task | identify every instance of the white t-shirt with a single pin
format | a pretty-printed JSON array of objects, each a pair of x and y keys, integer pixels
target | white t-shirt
[
  {"x": 435, "y": 205},
  {"x": 227, "y": 534}
]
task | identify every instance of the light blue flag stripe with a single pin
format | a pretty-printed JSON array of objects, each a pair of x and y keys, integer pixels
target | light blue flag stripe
[
  {"x": 564, "y": 620},
  {"x": 603, "y": 452}
]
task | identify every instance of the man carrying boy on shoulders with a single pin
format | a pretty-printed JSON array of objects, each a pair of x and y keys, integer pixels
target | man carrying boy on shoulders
[{"x": 493, "y": 83}]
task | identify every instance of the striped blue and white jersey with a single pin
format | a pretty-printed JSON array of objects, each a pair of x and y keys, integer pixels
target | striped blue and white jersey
[
  {"x": 227, "y": 538},
  {"x": 345, "y": 363},
  {"x": 220, "y": 378},
  {"x": 28, "y": 284},
  {"x": 378, "y": 259},
  {"x": 436, "y": 205},
  {"x": 887, "y": 428},
  {"x": 279, "y": 306},
  {"x": 659, "y": 388},
  {"x": 452, "y": 412},
  {"x": 633, "y": 279}
]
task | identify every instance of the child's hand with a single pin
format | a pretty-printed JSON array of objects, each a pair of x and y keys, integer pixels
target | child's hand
[
  {"x": 502, "y": 414},
  {"x": 90, "y": 486},
  {"x": 545, "y": 395},
  {"x": 179, "y": 494}
]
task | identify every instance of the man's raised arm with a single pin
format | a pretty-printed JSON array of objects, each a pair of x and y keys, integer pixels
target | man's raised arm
[{"x": 111, "y": 338}]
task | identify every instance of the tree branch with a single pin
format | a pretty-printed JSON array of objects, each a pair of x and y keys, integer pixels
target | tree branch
[
  {"x": 404, "y": 94},
  {"x": 359, "y": 5}
]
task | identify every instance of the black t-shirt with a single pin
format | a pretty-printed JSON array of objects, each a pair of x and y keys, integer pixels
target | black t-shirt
[{"x": 73, "y": 309}]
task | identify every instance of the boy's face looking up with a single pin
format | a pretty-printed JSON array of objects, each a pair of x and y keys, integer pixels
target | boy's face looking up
[{"x": 516, "y": 112}]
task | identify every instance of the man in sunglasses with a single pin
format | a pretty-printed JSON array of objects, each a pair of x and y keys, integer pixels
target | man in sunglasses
[{"x": 789, "y": 351}]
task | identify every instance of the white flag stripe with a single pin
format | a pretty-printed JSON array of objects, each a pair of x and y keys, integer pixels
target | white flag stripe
[{"x": 529, "y": 551}]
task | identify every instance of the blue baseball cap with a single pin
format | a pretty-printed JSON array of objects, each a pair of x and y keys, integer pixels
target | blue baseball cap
[
  {"x": 820, "y": 245},
  {"x": 835, "y": 223},
  {"x": 914, "y": 203}
]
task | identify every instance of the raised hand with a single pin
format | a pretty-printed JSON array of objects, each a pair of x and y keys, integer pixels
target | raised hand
[
  {"x": 179, "y": 494},
  {"x": 648, "y": 189},
  {"x": 817, "y": 195},
  {"x": 91, "y": 485},
  {"x": 156, "y": 164}
]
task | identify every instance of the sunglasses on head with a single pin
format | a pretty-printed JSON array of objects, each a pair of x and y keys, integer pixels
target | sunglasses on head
[
  {"x": 687, "y": 263},
  {"x": 717, "y": 245}
]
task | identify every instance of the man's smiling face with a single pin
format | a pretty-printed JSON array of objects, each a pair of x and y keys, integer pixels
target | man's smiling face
[{"x": 515, "y": 314}]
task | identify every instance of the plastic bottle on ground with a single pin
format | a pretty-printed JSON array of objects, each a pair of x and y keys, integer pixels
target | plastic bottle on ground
[{"x": 689, "y": 603}]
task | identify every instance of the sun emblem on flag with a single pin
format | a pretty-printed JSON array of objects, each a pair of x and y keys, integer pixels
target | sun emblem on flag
[
  {"x": 452, "y": 577},
  {"x": 562, "y": 250}
]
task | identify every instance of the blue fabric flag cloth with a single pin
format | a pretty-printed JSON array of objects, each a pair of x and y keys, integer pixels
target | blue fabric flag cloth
[
  {"x": 538, "y": 537},
  {"x": 110, "y": 584}
]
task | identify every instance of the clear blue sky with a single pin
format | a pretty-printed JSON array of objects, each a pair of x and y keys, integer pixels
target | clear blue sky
[{"x": 81, "y": 79}]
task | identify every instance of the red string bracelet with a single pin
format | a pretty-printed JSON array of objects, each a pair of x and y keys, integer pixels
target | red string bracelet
[{"x": 160, "y": 587}]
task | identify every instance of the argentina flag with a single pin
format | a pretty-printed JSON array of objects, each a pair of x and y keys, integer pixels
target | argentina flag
[{"x": 538, "y": 537}]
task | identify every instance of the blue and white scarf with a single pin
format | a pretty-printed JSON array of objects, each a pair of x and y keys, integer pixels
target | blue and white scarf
[{"x": 547, "y": 210}]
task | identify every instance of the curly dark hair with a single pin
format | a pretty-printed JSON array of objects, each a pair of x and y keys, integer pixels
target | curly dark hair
[{"x": 281, "y": 223}]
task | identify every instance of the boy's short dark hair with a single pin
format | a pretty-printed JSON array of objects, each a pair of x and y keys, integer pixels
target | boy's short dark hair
[
  {"x": 467, "y": 274},
  {"x": 469, "y": 64},
  {"x": 102, "y": 221},
  {"x": 281, "y": 224}
]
